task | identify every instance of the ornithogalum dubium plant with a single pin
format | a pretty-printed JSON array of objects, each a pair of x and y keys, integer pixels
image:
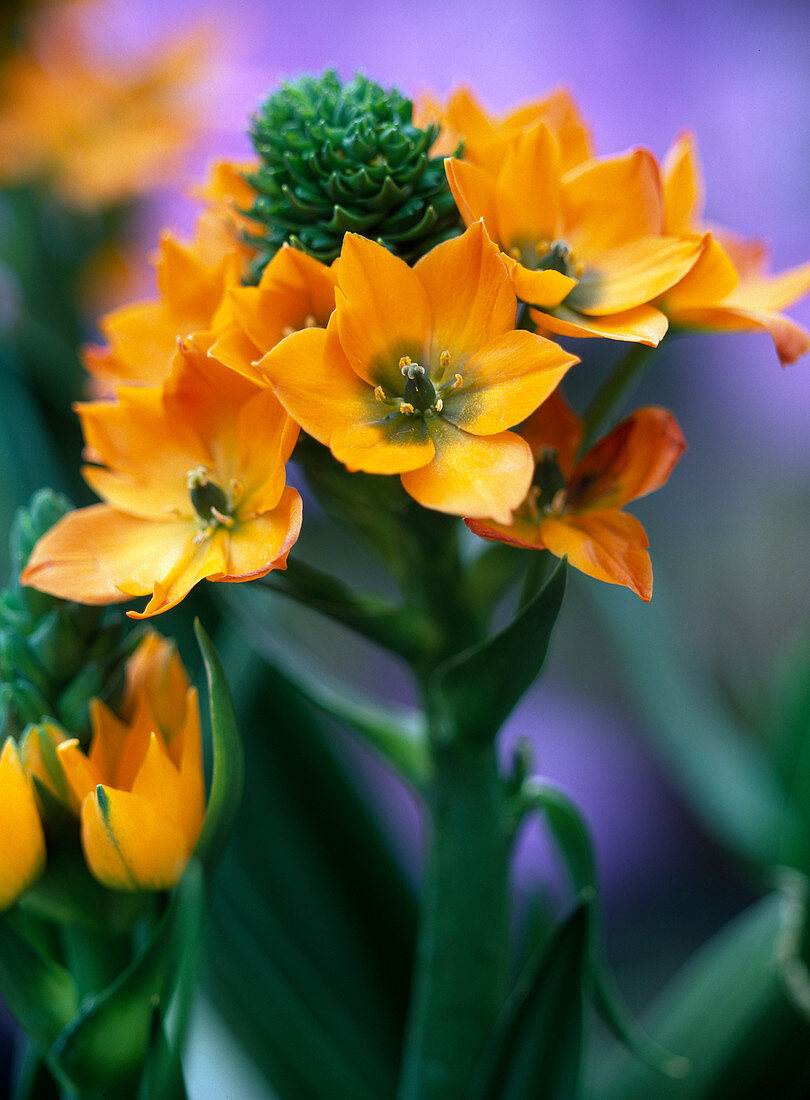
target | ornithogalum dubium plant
[{"x": 384, "y": 327}]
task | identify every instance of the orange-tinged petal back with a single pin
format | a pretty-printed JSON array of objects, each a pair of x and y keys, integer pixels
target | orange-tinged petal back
[
  {"x": 610, "y": 201},
  {"x": 642, "y": 325},
  {"x": 633, "y": 273},
  {"x": 610, "y": 546}
]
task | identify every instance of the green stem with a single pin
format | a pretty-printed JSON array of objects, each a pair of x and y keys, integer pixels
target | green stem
[
  {"x": 614, "y": 391},
  {"x": 462, "y": 962}
]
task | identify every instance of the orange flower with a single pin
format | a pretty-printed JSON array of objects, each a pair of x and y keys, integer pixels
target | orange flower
[
  {"x": 728, "y": 288},
  {"x": 195, "y": 484},
  {"x": 575, "y": 507},
  {"x": 97, "y": 136},
  {"x": 486, "y": 137},
  {"x": 420, "y": 372},
  {"x": 139, "y": 790},
  {"x": 142, "y": 337},
  {"x": 20, "y": 826},
  {"x": 295, "y": 292},
  {"x": 586, "y": 245}
]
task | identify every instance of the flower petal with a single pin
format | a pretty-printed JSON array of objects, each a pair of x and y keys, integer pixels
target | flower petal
[
  {"x": 642, "y": 325},
  {"x": 633, "y": 273},
  {"x": 474, "y": 192},
  {"x": 528, "y": 189},
  {"x": 314, "y": 382},
  {"x": 505, "y": 382},
  {"x": 610, "y": 201},
  {"x": 711, "y": 279},
  {"x": 257, "y": 545},
  {"x": 683, "y": 187},
  {"x": 471, "y": 295},
  {"x": 130, "y": 843},
  {"x": 383, "y": 312},
  {"x": 473, "y": 475},
  {"x": 610, "y": 546},
  {"x": 634, "y": 459},
  {"x": 387, "y": 446},
  {"x": 24, "y": 841}
]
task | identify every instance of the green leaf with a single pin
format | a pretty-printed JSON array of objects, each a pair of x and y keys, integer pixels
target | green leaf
[
  {"x": 573, "y": 840},
  {"x": 41, "y": 994},
  {"x": 396, "y": 734},
  {"x": 108, "y": 1043},
  {"x": 728, "y": 1012},
  {"x": 538, "y": 1045},
  {"x": 162, "y": 1076},
  {"x": 229, "y": 764},
  {"x": 475, "y": 692}
]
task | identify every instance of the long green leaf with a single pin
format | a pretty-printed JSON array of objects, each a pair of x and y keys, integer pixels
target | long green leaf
[
  {"x": 41, "y": 994},
  {"x": 729, "y": 1014},
  {"x": 229, "y": 765},
  {"x": 537, "y": 1050},
  {"x": 475, "y": 692}
]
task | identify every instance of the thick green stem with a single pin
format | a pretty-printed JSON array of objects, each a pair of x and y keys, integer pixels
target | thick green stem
[
  {"x": 615, "y": 390},
  {"x": 462, "y": 963}
]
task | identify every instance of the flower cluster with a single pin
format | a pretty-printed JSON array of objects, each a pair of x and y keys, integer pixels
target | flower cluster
[
  {"x": 137, "y": 791},
  {"x": 442, "y": 368}
]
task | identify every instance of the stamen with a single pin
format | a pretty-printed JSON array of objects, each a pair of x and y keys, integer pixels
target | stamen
[
  {"x": 444, "y": 359},
  {"x": 221, "y": 517},
  {"x": 288, "y": 330},
  {"x": 404, "y": 362},
  {"x": 406, "y": 408},
  {"x": 310, "y": 322},
  {"x": 457, "y": 381},
  {"x": 439, "y": 405},
  {"x": 379, "y": 393}
]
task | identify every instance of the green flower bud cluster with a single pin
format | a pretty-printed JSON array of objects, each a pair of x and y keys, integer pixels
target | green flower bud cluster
[
  {"x": 54, "y": 655},
  {"x": 338, "y": 158}
]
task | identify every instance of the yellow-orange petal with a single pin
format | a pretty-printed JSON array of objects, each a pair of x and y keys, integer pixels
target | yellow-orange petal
[
  {"x": 528, "y": 189},
  {"x": 642, "y": 325},
  {"x": 505, "y": 382},
  {"x": 790, "y": 339},
  {"x": 191, "y": 797},
  {"x": 20, "y": 826},
  {"x": 610, "y": 201},
  {"x": 39, "y": 760},
  {"x": 312, "y": 379},
  {"x": 539, "y": 288},
  {"x": 81, "y": 773},
  {"x": 557, "y": 427},
  {"x": 383, "y": 312},
  {"x": 142, "y": 339},
  {"x": 194, "y": 562},
  {"x": 131, "y": 843},
  {"x": 471, "y": 296},
  {"x": 97, "y": 556},
  {"x": 610, "y": 546},
  {"x": 390, "y": 445},
  {"x": 257, "y": 545},
  {"x": 634, "y": 459},
  {"x": 267, "y": 435},
  {"x": 236, "y": 350},
  {"x": 474, "y": 192},
  {"x": 771, "y": 293},
  {"x": 711, "y": 279},
  {"x": 633, "y": 273},
  {"x": 683, "y": 187},
  {"x": 472, "y": 475}
]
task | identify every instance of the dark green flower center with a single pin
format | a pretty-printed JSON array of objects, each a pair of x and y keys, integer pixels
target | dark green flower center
[{"x": 209, "y": 500}]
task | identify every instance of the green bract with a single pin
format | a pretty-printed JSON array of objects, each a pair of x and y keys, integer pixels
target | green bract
[
  {"x": 340, "y": 158},
  {"x": 54, "y": 655}
]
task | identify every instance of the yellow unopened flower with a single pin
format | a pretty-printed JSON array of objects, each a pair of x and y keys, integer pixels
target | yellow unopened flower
[
  {"x": 194, "y": 479},
  {"x": 139, "y": 790},
  {"x": 587, "y": 245},
  {"x": 23, "y": 858},
  {"x": 729, "y": 288},
  {"x": 97, "y": 135}
]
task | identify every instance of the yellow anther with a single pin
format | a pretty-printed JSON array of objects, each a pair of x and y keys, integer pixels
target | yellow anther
[
  {"x": 578, "y": 270},
  {"x": 558, "y": 501},
  {"x": 439, "y": 405},
  {"x": 515, "y": 253},
  {"x": 457, "y": 381},
  {"x": 404, "y": 362},
  {"x": 379, "y": 393},
  {"x": 407, "y": 408},
  {"x": 236, "y": 488},
  {"x": 309, "y": 322},
  {"x": 288, "y": 330},
  {"x": 543, "y": 246},
  {"x": 444, "y": 359}
]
